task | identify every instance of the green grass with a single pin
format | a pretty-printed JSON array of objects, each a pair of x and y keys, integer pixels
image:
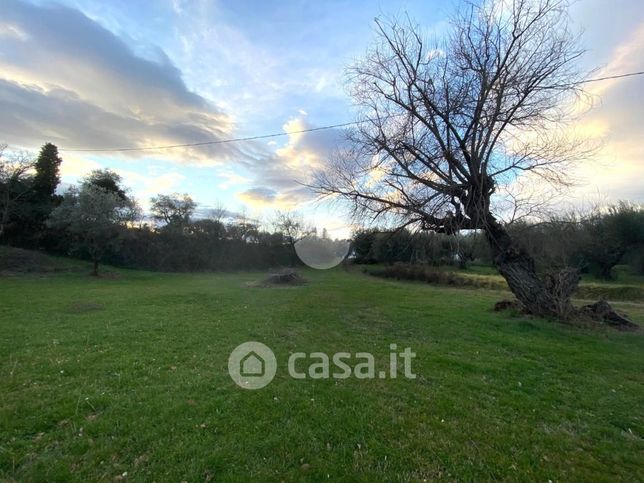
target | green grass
[{"x": 101, "y": 377}]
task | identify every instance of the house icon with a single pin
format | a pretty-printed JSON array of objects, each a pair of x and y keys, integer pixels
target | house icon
[{"x": 252, "y": 365}]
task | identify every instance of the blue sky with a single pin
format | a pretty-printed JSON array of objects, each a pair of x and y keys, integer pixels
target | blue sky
[{"x": 96, "y": 74}]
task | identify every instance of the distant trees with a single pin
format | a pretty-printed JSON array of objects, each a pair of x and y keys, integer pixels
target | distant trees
[
  {"x": 594, "y": 243},
  {"x": 375, "y": 246},
  {"x": 95, "y": 215},
  {"x": 465, "y": 247},
  {"x": 393, "y": 247},
  {"x": 293, "y": 228},
  {"x": 361, "y": 246},
  {"x": 608, "y": 236},
  {"x": 27, "y": 192},
  {"x": 173, "y": 209},
  {"x": 15, "y": 185},
  {"x": 108, "y": 181}
]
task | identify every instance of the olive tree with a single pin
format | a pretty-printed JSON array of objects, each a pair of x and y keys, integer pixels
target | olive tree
[
  {"x": 95, "y": 216},
  {"x": 173, "y": 209},
  {"x": 611, "y": 234}
]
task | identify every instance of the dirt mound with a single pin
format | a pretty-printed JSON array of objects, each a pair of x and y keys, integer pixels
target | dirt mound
[
  {"x": 283, "y": 277},
  {"x": 502, "y": 305}
]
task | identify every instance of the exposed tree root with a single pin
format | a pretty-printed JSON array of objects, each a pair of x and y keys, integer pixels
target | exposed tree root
[
  {"x": 603, "y": 311},
  {"x": 600, "y": 311}
]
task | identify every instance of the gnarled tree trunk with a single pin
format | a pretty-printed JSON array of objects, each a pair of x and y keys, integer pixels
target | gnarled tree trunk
[{"x": 547, "y": 297}]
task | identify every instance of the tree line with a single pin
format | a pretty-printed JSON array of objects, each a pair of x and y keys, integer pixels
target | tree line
[
  {"x": 593, "y": 242},
  {"x": 101, "y": 221}
]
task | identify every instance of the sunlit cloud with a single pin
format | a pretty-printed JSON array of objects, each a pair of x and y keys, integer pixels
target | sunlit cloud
[
  {"x": 617, "y": 168},
  {"x": 67, "y": 79}
]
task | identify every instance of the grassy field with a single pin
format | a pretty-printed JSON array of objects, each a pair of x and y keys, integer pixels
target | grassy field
[{"x": 125, "y": 378}]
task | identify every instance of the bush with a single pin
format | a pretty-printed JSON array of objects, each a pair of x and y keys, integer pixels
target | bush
[
  {"x": 429, "y": 274},
  {"x": 422, "y": 273}
]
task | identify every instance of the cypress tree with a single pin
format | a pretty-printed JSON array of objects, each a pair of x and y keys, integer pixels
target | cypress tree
[{"x": 47, "y": 174}]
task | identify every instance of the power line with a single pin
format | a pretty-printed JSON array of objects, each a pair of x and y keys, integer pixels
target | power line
[
  {"x": 301, "y": 131},
  {"x": 221, "y": 141},
  {"x": 617, "y": 76}
]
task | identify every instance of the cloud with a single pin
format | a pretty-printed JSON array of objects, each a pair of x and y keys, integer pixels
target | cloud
[
  {"x": 146, "y": 187},
  {"x": 279, "y": 178},
  {"x": 75, "y": 167},
  {"x": 259, "y": 196},
  {"x": 265, "y": 56},
  {"x": 231, "y": 178},
  {"x": 66, "y": 79},
  {"x": 618, "y": 168}
]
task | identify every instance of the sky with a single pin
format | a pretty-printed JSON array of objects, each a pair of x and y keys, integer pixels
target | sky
[{"x": 131, "y": 73}]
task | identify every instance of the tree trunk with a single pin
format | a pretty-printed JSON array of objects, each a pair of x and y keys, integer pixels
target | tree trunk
[
  {"x": 606, "y": 271},
  {"x": 5, "y": 215},
  {"x": 293, "y": 255},
  {"x": 550, "y": 297},
  {"x": 95, "y": 269}
]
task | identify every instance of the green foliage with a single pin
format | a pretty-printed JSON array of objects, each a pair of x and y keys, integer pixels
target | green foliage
[
  {"x": 107, "y": 180},
  {"x": 173, "y": 209},
  {"x": 393, "y": 246},
  {"x": 95, "y": 216},
  {"x": 361, "y": 245},
  {"x": 611, "y": 235},
  {"x": 374, "y": 246},
  {"x": 47, "y": 176},
  {"x": 27, "y": 199}
]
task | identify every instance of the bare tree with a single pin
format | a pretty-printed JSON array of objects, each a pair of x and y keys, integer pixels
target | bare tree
[
  {"x": 14, "y": 185},
  {"x": 218, "y": 213},
  {"x": 293, "y": 228},
  {"x": 445, "y": 126}
]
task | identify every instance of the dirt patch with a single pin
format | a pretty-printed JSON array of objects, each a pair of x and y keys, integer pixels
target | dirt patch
[
  {"x": 108, "y": 275},
  {"x": 84, "y": 307},
  {"x": 507, "y": 305},
  {"x": 286, "y": 277}
]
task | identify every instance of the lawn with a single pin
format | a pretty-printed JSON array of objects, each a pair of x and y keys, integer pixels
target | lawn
[{"x": 125, "y": 378}]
